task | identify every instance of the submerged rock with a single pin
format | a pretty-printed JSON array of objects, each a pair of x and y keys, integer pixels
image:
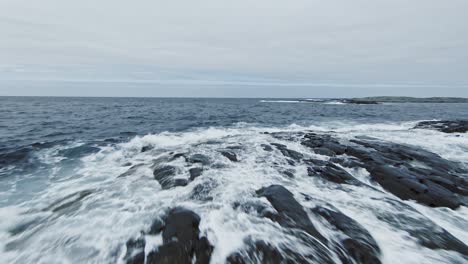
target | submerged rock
[
  {"x": 146, "y": 148},
  {"x": 199, "y": 158},
  {"x": 288, "y": 152},
  {"x": 290, "y": 212},
  {"x": 135, "y": 251},
  {"x": 181, "y": 241},
  {"x": 358, "y": 243},
  {"x": 453, "y": 126},
  {"x": 333, "y": 173},
  {"x": 229, "y": 155},
  {"x": 195, "y": 172},
  {"x": 165, "y": 176},
  {"x": 266, "y": 147},
  {"x": 418, "y": 226}
]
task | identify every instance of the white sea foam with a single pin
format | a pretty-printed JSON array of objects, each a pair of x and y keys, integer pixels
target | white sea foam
[
  {"x": 280, "y": 101},
  {"x": 95, "y": 228}
]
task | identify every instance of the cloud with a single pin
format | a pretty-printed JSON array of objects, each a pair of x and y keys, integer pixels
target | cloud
[{"x": 350, "y": 43}]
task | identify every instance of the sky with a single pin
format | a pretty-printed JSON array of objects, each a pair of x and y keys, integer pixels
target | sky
[{"x": 242, "y": 48}]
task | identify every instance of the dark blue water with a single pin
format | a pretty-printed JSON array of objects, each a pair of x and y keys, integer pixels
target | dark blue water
[
  {"x": 53, "y": 148},
  {"x": 28, "y": 120}
]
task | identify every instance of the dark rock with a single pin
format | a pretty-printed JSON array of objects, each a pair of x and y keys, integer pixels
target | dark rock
[
  {"x": 290, "y": 212},
  {"x": 324, "y": 151},
  {"x": 453, "y": 126},
  {"x": 135, "y": 251},
  {"x": 348, "y": 162},
  {"x": 199, "y": 158},
  {"x": 181, "y": 242},
  {"x": 169, "y": 253},
  {"x": 333, "y": 173},
  {"x": 288, "y": 152},
  {"x": 202, "y": 191},
  {"x": 288, "y": 173},
  {"x": 323, "y": 143},
  {"x": 165, "y": 176},
  {"x": 260, "y": 251},
  {"x": 316, "y": 162},
  {"x": 408, "y": 186},
  {"x": 263, "y": 252},
  {"x": 156, "y": 227},
  {"x": 358, "y": 244},
  {"x": 412, "y": 173},
  {"x": 426, "y": 232},
  {"x": 230, "y": 155},
  {"x": 266, "y": 147},
  {"x": 195, "y": 172},
  {"x": 146, "y": 148},
  {"x": 178, "y": 155}
]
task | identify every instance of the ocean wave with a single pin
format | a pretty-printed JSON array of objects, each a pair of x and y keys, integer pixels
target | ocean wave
[{"x": 110, "y": 194}]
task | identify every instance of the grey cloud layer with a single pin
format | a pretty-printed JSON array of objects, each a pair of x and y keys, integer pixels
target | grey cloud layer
[{"x": 345, "y": 42}]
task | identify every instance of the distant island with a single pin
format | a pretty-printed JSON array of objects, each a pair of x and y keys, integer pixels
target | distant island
[
  {"x": 405, "y": 99},
  {"x": 388, "y": 99}
]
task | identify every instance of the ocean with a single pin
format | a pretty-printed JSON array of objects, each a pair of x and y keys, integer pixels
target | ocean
[{"x": 79, "y": 179}]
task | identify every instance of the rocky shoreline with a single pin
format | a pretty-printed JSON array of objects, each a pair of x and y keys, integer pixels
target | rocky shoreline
[{"x": 407, "y": 172}]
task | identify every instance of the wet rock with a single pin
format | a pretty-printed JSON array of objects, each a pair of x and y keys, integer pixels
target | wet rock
[
  {"x": 348, "y": 162},
  {"x": 288, "y": 173},
  {"x": 412, "y": 173},
  {"x": 199, "y": 158},
  {"x": 357, "y": 243},
  {"x": 181, "y": 242},
  {"x": 453, "y": 126},
  {"x": 324, "y": 151},
  {"x": 178, "y": 155},
  {"x": 146, "y": 148},
  {"x": 324, "y": 143},
  {"x": 260, "y": 251},
  {"x": 333, "y": 173},
  {"x": 201, "y": 192},
  {"x": 426, "y": 232},
  {"x": 316, "y": 162},
  {"x": 165, "y": 176},
  {"x": 408, "y": 186},
  {"x": 266, "y": 147},
  {"x": 156, "y": 227},
  {"x": 230, "y": 155},
  {"x": 288, "y": 152},
  {"x": 135, "y": 251},
  {"x": 263, "y": 252},
  {"x": 290, "y": 212},
  {"x": 195, "y": 172}
]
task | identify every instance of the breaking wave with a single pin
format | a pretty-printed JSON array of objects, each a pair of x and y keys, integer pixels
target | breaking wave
[{"x": 85, "y": 209}]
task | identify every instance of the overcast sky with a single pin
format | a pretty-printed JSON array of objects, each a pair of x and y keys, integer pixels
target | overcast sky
[{"x": 257, "y": 48}]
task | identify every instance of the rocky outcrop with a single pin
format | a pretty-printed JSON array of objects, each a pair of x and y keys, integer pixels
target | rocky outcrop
[
  {"x": 290, "y": 213},
  {"x": 230, "y": 155},
  {"x": 412, "y": 173},
  {"x": 409, "y": 172},
  {"x": 357, "y": 243},
  {"x": 165, "y": 176},
  {"x": 181, "y": 241},
  {"x": 453, "y": 126}
]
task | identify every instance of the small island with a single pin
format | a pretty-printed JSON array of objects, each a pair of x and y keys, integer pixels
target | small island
[{"x": 405, "y": 99}]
